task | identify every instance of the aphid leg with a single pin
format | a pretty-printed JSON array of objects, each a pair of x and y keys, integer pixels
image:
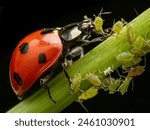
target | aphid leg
[
  {"x": 120, "y": 76},
  {"x": 81, "y": 103},
  {"x": 43, "y": 82}
]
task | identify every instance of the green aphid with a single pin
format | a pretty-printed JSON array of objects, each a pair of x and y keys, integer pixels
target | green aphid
[
  {"x": 89, "y": 93},
  {"x": 135, "y": 61},
  {"x": 76, "y": 81},
  {"x": 125, "y": 84},
  {"x": 85, "y": 95},
  {"x": 93, "y": 79},
  {"x": 138, "y": 45},
  {"x": 98, "y": 25},
  {"x": 118, "y": 26},
  {"x": 114, "y": 84},
  {"x": 130, "y": 34},
  {"x": 125, "y": 57},
  {"x": 98, "y": 22}
]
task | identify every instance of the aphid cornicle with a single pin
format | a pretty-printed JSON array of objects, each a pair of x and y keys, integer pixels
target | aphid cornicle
[{"x": 42, "y": 50}]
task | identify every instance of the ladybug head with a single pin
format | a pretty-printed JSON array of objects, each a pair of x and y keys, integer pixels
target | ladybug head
[{"x": 86, "y": 26}]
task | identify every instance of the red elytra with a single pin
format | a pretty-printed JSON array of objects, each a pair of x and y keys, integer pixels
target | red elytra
[{"x": 33, "y": 56}]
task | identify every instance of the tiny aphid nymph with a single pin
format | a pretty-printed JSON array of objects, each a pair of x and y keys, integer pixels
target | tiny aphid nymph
[{"x": 118, "y": 26}]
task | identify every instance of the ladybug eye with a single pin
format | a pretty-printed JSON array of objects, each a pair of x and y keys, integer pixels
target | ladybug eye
[
  {"x": 17, "y": 78},
  {"x": 24, "y": 48},
  {"x": 41, "y": 58}
]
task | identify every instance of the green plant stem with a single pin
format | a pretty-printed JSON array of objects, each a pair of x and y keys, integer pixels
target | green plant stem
[{"x": 101, "y": 57}]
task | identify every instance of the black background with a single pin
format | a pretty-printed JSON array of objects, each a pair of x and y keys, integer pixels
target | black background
[{"x": 21, "y": 18}]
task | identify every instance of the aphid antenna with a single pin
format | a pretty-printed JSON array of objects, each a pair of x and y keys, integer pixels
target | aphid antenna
[
  {"x": 114, "y": 21},
  {"x": 136, "y": 12},
  {"x": 101, "y": 12}
]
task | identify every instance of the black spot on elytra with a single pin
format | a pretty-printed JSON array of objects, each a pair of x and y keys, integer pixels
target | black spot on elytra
[
  {"x": 47, "y": 30},
  {"x": 24, "y": 48},
  {"x": 17, "y": 78},
  {"x": 41, "y": 58}
]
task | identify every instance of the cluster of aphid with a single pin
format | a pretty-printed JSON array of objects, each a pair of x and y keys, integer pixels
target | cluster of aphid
[{"x": 129, "y": 60}]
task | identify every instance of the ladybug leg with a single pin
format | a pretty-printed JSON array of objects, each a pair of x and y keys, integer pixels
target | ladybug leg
[
  {"x": 43, "y": 82},
  {"x": 87, "y": 42},
  {"x": 68, "y": 77},
  {"x": 77, "y": 51}
]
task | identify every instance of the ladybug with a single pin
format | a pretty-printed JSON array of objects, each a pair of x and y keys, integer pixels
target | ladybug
[{"x": 40, "y": 51}]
